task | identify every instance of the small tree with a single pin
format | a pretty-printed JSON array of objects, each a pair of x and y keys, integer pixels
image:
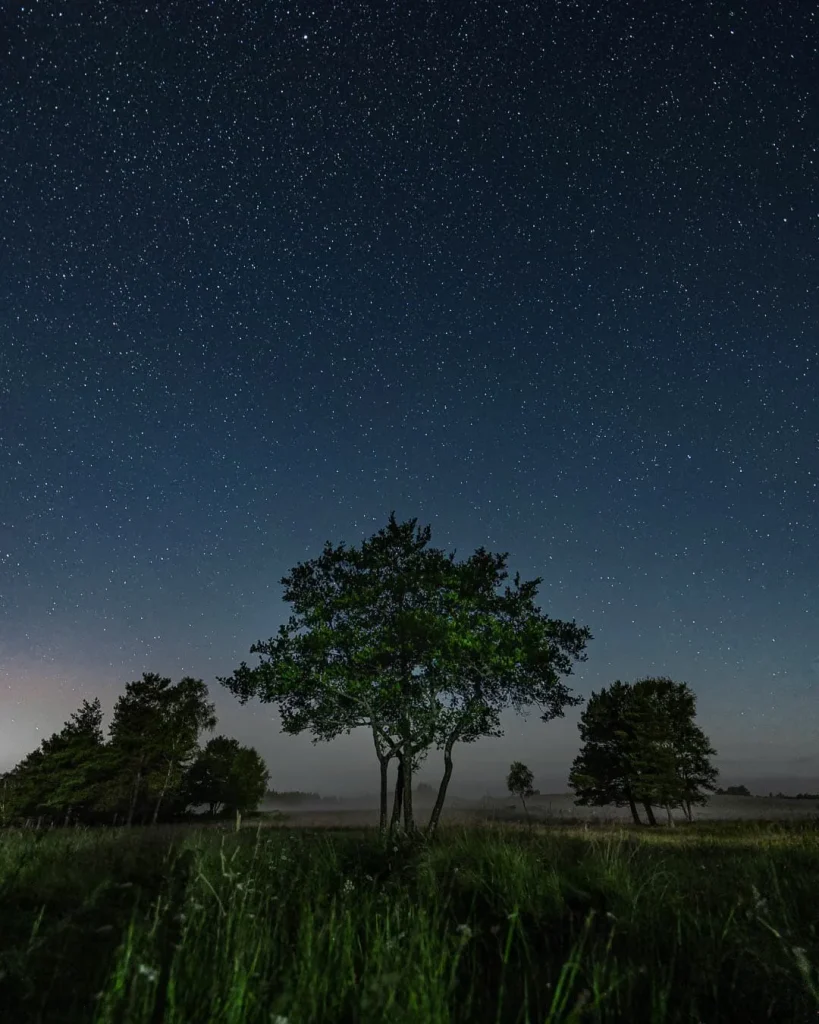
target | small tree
[
  {"x": 519, "y": 783},
  {"x": 247, "y": 781},
  {"x": 225, "y": 776}
]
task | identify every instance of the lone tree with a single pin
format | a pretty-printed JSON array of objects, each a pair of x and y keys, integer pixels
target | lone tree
[
  {"x": 225, "y": 776},
  {"x": 397, "y": 637},
  {"x": 641, "y": 746},
  {"x": 519, "y": 782}
]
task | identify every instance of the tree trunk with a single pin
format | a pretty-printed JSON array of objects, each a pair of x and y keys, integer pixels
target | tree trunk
[
  {"x": 398, "y": 801},
  {"x": 132, "y": 808},
  {"x": 406, "y": 752},
  {"x": 383, "y": 767},
  {"x": 162, "y": 793},
  {"x": 688, "y": 812},
  {"x": 67, "y": 818},
  {"x": 649, "y": 813},
  {"x": 670, "y": 815},
  {"x": 435, "y": 816},
  {"x": 634, "y": 812}
]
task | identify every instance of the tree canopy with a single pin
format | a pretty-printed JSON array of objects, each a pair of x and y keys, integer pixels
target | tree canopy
[
  {"x": 641, "y": 746},
  {"x": 153, "y": 738},
  {"x": 63, "y": 776},
  {"x": 520, "y": 782},
  {"x": 226, "y": 777}
]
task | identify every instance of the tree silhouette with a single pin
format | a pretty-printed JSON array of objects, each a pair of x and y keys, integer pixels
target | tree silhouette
[
  {"x": 519, "y": 782},
  {"x": 735, "y": 791},
  {"x": 65, "y": 774},
  {"x": 226, "y": 776},
  {"x": 423, "y": 651},
  {"x": 153, "y": 738},
  {"x": 641, "y": 746}
]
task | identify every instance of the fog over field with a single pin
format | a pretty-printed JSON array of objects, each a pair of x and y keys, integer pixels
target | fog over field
[{"x": 363, "y": 811}]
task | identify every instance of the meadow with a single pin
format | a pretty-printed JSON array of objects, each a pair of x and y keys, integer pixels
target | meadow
[{"x": 710, "y": 922}]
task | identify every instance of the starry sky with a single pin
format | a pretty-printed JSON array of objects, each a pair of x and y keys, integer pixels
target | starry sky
[{"x": 543, "y": 275}]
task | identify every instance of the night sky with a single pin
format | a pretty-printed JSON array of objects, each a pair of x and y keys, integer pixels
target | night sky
[{"x": 543, "y": 275}]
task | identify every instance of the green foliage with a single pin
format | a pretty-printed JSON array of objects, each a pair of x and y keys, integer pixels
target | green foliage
[
  {"x": 153, "y": 739},
  {"x": 64, "y": 775},
  {"x": 226, "y": 776},
  {"x": 397, "y": 637},
  {"x": 642, "y": 746},
  {"x": 601, "y": 773},
  {"x": 735, "y": 791}
]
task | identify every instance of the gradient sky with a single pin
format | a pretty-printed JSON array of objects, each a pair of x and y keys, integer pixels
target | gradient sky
[{"x": 544, "y": 275}]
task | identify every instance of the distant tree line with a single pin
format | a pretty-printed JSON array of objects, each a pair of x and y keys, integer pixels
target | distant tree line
[
  {"x": 150, "y": 768},
  {"x": 296, "y": 797},
  {"x": 744, "y": 791}
]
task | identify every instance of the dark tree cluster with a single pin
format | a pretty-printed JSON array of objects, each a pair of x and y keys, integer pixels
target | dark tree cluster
[
  {"x": 151, "y": 768},
  {"x": 775, "y": 796},
  {"x": 642, "y": 748}
]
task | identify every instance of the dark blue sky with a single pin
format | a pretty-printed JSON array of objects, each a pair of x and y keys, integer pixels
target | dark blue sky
[{"x": 545, "y": 278}]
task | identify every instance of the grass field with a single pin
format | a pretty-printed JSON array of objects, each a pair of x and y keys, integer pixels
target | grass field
[{"x": 715, "y": 922}]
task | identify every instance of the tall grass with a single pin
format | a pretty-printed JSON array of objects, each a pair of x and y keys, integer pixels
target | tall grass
[{"x": 486, "y": 925}]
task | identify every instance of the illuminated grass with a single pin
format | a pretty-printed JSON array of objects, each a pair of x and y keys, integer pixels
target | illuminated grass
[{"x": 714, "y": 924}]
